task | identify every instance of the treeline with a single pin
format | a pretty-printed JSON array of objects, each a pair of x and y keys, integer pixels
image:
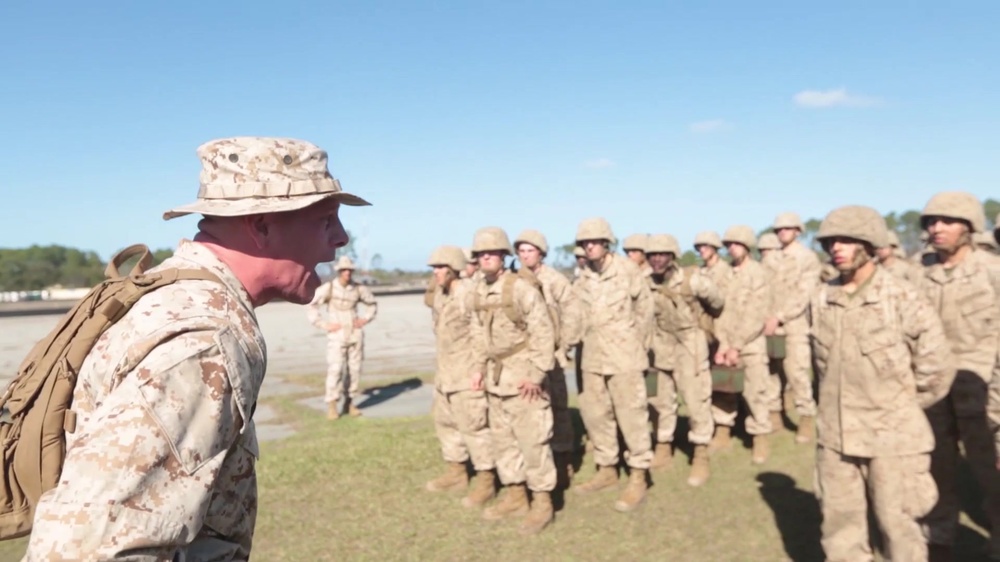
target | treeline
[{"x": 40, "y": 267}]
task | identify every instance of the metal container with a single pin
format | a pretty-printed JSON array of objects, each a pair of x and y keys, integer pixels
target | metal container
[
  {"x": 727, "y": 379},
  {"x": 776, "y": 347}
]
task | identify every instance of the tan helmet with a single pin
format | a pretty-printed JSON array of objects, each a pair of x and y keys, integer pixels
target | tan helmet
[
  {"x": 893, "y": 238},
  {"x": 579, "y": 252},
  {"x": 469, "y": 257},
  {"x": 769, "y": 241},
  {"x": 635, "y": 242},
  {"x": 956, "y": 205},
  {"x": 663, "y": 243},
  {"x": 595, "y": 228},
  {"x": 855, "y": 221},
  {"x": 344, "y": 263},
  {"x": 741, "y": 234},
  {"x": 987, "y": 239},
  {"x": 788, "y": 220},
  {"x": 491, "y": 238},
  {"x": 451, "y": 256},
  {"x": 533, "y": 237},
  {"x": 708, "y": 238}
]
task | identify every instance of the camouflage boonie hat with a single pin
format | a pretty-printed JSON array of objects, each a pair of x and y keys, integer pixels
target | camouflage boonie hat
[
  {"x": 250, "y": 175},
  {"x": 344, "y": 263}
]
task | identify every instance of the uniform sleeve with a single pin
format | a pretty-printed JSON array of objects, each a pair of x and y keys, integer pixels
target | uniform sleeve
[
  {"x": 707, "y": 292},
  {"x": 314, "y": 310},
  {"x": 371, "y": 305},
  {"x": 541, "y": 336},
  {"x": 146, "y": 464},
  {"x": 750, "y": 324},
  {"x": 569, "y": 312},
  {"x": 644, "y": 308},
  {"x": 802, "y": 274},
  {"x": 477, "y": 331},
  {"x": 933, "y": 364}
]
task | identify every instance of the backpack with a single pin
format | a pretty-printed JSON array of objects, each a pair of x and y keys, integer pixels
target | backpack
[
  {"x": 510, "y": 309},
  {"x": 704, "y": 316},
  {"x": 35, "y": 409}
]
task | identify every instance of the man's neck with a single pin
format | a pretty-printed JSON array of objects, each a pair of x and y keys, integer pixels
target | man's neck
[
  {"x": 343, "y": 282},
  {"x": 954, "y": 257},
  {"x": 601, "y": 264},
  {"x": 852, "y": 280},
  {"x": 791, "y": 245},
  {"x": 492, "y": 277},
  {"x": 712, "y": 260}
]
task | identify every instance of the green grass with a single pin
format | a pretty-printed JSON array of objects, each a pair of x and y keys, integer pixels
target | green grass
[{"x": 353, "y": 490}]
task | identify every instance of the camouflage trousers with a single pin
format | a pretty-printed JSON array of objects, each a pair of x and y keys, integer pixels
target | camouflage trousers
[
  {"x": 797, "y": 366},
  {"x": 562, "y": 423},
  {"x": 339, "y": 353},
  {"x": 521, "y": 432},
  {"x": 899, "y": 491},
  {"x": 460, "y": 424},
  {"x": 696, "y": 389},
  {"x": 612, "y": 402},
  {"x": 775, "y": 399},
  {"x": 755, "y": 392},
  {"x": 961, "y": 416}
]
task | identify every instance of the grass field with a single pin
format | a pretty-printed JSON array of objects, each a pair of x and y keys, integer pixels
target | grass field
[{"x": 353, "y": 490}]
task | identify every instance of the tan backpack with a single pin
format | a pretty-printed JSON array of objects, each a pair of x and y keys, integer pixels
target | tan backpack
[
  {"x": 35, "y": 409},
  {"x": 704, "y": 316},
  {"x": 508, "y": 306}
]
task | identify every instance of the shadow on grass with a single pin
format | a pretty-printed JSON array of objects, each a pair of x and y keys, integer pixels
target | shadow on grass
[
  {"x": 796, "y": 514},
  {"x": 379, "y": 394}
]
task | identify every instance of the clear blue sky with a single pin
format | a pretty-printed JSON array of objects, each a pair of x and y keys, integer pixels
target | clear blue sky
[{"x": 451, "y": 115}]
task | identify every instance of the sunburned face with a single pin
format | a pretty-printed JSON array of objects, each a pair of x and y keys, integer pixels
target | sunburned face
[
  {"x": 529, "y": 255},
  {"x": 491, "y": 262}
]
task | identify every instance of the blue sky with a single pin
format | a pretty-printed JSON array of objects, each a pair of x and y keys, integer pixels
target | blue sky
[{"x": 450, "y": 116}]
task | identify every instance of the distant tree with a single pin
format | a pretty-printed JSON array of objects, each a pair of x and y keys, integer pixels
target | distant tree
[{"x": 688, "y": 258}]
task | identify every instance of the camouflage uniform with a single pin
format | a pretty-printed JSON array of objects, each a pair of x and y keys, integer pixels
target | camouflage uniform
[
  {"x": 719, "y": 272},
  {"x": 967, "y": 298},
  {"x": 460, "y": 413},
  {"x": 900, "y": 268},
  {"x": 797, "y": 280},
  {"x": 741, "y": 327},
  {"x": 770, "y": 258},
  {"x": 346, "y": 345},
  {"x": 881, "y": 357},
  {"x": 161, "y": 465},
  {"x": 616, "y": 316},
  {"x": 507, "y": 354}
]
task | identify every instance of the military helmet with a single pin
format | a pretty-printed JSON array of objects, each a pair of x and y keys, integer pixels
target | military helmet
[
  {"x": 469, "y": 257},
  {"x": 987, "y": 239},
  {"x": 635, "y": 242},
  {"x": 769, "y": 241},
  {"x": 956, "y": 205},
  {"x": 741, "y": 234},
  {"x": 663, "y": 243},
  {"x": 893, "y": 238},
  {"x": 490, "y": 239},
  {"x": 788, "y": 220},
  {"x": 533, "y": 237},
  {"x": 595, "y": 228},
  {"x": 855, "y": 221},
  {"x": 579, "y": 252},
  {"x": 708, "y": 238},
  {"x": 451, "y": 256}
]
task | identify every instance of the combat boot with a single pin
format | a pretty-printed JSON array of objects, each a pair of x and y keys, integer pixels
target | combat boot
[
  {"x": 939, "y": 553},
  {"x": 761, "y": 449},
  {"x": 634, "y": 492},
  {"x": 606, "y": 477},
  {"x": 483, "y": 489},
  {"x": 453, "y": 478},
  {"x": 777, "y": 422},
  {"x": 699, "y": 466},
  {"x": 354, "y": 410},
  {"x": 806, "y": 431},
  {"x": 663, "y": 456},
  {"x": 331, "y": 411},
  {"x": 539, "y": 515},
  {"x": 722, "y": 439},
  {"x": 564, "y": 470},
  {"x": 513, "y": 503}
]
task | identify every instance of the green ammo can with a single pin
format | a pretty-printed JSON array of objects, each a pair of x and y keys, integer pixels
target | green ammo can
[
  {"x": 727, "y": 379},
  {"x": 776, "y": 347},
  {"x": 652, "y": 377}
]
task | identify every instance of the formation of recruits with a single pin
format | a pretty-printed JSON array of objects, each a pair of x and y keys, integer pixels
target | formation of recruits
[{"x": 904, "y": 352}]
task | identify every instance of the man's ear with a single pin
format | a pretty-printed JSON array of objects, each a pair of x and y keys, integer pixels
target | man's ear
[{"x": 257, "y": 228}]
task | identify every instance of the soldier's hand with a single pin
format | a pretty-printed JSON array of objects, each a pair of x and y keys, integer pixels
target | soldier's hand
[
  {"x": 771, "y": 326},
  {"x": 333, "y": 327},
  {"x": 720, "y": 357},
  {"x": 733, "y": 357},
  {"x": 529, "y": 390},
  {"x": 477, "y": 381},
  {"x": 359, "y": 323}
]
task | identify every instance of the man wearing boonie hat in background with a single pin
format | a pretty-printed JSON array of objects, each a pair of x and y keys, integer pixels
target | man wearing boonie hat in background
[{"x": 161, "y": 463}]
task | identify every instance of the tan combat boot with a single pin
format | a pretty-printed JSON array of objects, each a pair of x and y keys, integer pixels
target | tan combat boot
[
  {"x": 777, "y": 422},
  {"x": 354, "y": 410},
  {"x": 483, "y": 489},
  {"x": 761, "y": 449},
  {"x": 331, "y": 411},
  {"x": 807, "y": 430},
  {"x": 722, "y": 439},
  {"x": 634, "y": 492},
  {"x": 539, "y": 516},
  {"x": 453, "y": 478},
  {"x": 513, "y": 503},
  {"x": 606, "y": 477},
  {"x": 699, "y": 466},
  {"x": 663, "y": 456}
]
